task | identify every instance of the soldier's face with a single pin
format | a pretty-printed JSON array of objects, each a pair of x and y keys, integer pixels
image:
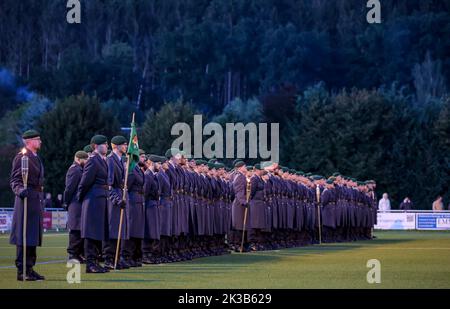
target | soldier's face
[
  {"x": 102, "y": 149},
  {"x": 34, "y": 143},
  {"x": 122, "y": 148},
  {"x": 142, "y": 158}
]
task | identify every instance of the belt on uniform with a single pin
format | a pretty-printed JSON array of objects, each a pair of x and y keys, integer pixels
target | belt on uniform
[
  {"x": 37, "y": 188},
  {"x": 105, "y": 187},
  {"x": 137, "y": 192}
]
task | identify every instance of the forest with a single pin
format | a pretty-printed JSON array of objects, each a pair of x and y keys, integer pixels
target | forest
[{"x": 367, "y": 100}]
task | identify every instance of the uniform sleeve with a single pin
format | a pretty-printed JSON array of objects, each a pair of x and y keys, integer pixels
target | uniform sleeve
[
  {"x": 16, "y": 181},
  {"x": 114, "y": 196},
  {"x": 72, "y": 180},
  {"x": 87, "y": 179},
  {"x": 239, "y": 186}
]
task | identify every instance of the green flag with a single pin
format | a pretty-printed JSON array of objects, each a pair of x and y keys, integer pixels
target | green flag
[{"x": 133, "y": 148}]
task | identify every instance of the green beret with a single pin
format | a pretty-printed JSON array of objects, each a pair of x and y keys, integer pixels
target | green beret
[
  {"x": 99, "y": 139},
  {"x": 200, "y": 162},
  {"x": 329, "y": 181},
  {"x": 360, "y": 183},
  {"x": 239, "y": 163},
  {"x": 88, "y": 148},
  {"x": 258, "y": 166},
  {"x": 119, "y": 140},
  {"x": 153, "y": 157},
  {"x": 317, "y": 177},
  {"x": 220, "y": 165},
  {"x": 211, "y": 165},
  {"x": 332, "y": 178},
  {"x": 236, "y": 161},
  {"x": 81, "y": 154},
  {"x": 249, "y": 167},
  {"x": 336, "y": 174},
  {"x": 171, "y": 152},
  {"x": 30, "y": 134},
  {"x": 266, "y": 164},
  {"x": 212, "y": 161},
  {"x": 141, "y": 152}
]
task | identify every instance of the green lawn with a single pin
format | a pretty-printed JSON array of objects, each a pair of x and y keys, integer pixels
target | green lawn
[{"x": 408, "y": 260}]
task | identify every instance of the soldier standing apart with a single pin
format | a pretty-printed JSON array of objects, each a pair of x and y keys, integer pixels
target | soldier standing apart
[
  {"x": 73, "y": 206},
  {"x": 34, "y": 196},
  {"x": 93, "y": 196}
]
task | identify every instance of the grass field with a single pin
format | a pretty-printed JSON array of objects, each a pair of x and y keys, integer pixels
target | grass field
[{"x": 413, "y": 259}]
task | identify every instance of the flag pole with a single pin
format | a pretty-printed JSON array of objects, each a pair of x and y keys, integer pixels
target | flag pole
[
  {"x": 25, "y": 213},
  {"x": 318, "y": 213},
  {"x": 124, "y": 198}
]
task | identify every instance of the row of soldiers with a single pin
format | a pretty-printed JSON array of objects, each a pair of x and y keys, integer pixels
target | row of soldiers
[{"x": 175, "y": 209}]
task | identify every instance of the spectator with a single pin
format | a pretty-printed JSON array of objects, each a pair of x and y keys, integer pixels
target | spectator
[
  {"x": 384, "y": 204},
  {"x": 58, "y": 202},
  {"x": 48, "y": 201},
  {"x": 406, "y": 204},
  {"x": 438, "y": 205}
]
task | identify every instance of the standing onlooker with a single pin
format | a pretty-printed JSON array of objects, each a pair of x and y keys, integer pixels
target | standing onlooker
[
  {"x": 48, "y": 201},
  {"x": 406, "y": 204},
  {"x": 58, "y": 202},
  {"x": 438, "y": 205},
  {"x": 384, "y": 204}
]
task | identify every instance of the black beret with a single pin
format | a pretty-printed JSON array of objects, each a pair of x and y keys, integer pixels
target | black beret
[
  {"x": 119, "y": 140},
  {"x": 99, "y": 139},
  {"x": 88, "y": 148},
  {"x": 30, "y": 134},
  {"x": 81, "y": 154}
]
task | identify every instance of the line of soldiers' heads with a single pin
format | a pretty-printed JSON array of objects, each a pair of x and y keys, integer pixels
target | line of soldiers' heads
[{"x": 119, "y": 145}]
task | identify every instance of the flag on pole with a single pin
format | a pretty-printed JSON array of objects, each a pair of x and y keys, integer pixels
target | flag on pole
[{"x": 133, "y": 148}]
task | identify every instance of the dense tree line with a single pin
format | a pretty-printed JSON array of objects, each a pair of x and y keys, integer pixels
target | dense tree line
[{"x": 368, "y": 100}]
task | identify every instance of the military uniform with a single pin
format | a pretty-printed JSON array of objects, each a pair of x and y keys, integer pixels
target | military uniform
[
  {"x": 34, "y": 197},
  {"x": 76, "y": 245},
  {"x": 152, "y": 225},
  {"x": 116, "y": 179},
  {"x": 136, "y": 217}
]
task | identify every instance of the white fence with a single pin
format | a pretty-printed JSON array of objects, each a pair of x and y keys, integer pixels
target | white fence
[
  {"x": 413, "y": 220},
  {"x": 55, "y": 219}
]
